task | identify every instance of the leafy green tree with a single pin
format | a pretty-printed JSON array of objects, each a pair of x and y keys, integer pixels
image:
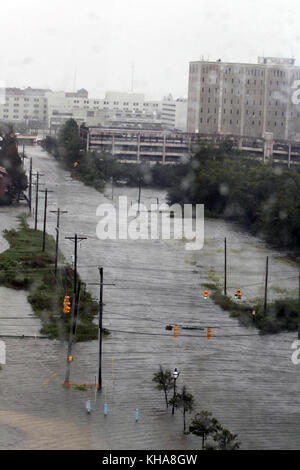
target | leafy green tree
[
  {"x": 69, "y": 142},
  {"x": 262, "y": 197},
  {"x": 164, "y": 381},
  {"x": 50, "y": 145},
  {"x": 183, "y": 401},
  {"x": 226, "y": 440},
  {"x": 11, "y": 161},
  {"x": 204, "y": 425}
]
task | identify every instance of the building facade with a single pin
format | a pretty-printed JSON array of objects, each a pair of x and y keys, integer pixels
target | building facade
[
  {"x": 116, "y": 107},
  {"x": 245, "y": 99},
  {"x": 48, "y": 109},
  {"x": 136, "y": 145},
  {"x": 29, "y": 106}
]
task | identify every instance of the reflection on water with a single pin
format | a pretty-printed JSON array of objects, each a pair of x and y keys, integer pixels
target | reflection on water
[{"x": 247, "y": 380}]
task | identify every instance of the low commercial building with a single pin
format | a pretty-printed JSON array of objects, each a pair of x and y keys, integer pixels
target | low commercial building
[{"x": 137, "y": 144}]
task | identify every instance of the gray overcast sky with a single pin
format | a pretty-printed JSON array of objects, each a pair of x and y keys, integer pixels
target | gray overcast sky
[{"x": 43, "y": 41}]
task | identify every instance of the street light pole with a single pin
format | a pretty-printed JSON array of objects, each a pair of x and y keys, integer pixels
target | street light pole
[
  {"x": 175, "y": 376},
  {"x": 100, "y": 329}
]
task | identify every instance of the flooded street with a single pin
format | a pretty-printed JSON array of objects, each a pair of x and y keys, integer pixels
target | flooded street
[{"x": 246, "y": 380}]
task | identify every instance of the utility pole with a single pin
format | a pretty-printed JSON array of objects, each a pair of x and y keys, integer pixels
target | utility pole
[
  {"x": 77, "y": 300},
  {"x": 75, "y": 306},
  {"x": 69, "y": 353},
  {"x": 58, "y": 212},
  {"x": 45, "y": 217},
  {"x": 225, "y": 267},
  {"x": 38, "y": 174},
  {"x": 299, "y": 310},
  {"x": 100, "y": 329},
  {"x": 23, "y": 154},
  {"x": 112, "y": 187},
  {"x": 266, "y": 285},
  {"x": 36, "y": 200},
  {"x": 30, "y": 186},
  {"x": 139, "y": 199},
  {"x": 63, "y": 316},
  {"x": 100, "y": 324},
  {"x": 76, "y": 240}
]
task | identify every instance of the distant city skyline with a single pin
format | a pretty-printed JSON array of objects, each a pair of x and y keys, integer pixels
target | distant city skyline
[{"x": 94, "y": 44}]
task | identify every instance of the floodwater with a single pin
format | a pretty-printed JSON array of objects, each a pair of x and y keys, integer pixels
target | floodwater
[{"x": 246, "y": 380}]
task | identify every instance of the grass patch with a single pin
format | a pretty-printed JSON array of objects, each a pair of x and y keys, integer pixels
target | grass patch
[
  {"x": 285, "y": 259},
  {"x": 279, "y": 290},
  {"x": 281, "y": 315},
  {"x": 25, "y": 266},
  {"x": 212, "y": 276},
  {"x": 193, "y": 262},
  {"x": 81, "y": 388}
]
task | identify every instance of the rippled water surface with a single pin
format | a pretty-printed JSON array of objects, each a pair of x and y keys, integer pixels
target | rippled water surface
[{"x": 247, "y": 380}]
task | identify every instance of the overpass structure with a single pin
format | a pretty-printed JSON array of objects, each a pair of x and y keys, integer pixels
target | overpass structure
[
  {"x": 26, "y": 139},
  {"x": 136, "y": 145}
]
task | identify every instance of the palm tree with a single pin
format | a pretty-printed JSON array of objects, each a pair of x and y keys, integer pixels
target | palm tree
[
  {"x": 185, "y": 402},
  {"x": 164, "y": 380},
  {"x": 226, "y": 440},
  {"x": 203, "y": 425}
]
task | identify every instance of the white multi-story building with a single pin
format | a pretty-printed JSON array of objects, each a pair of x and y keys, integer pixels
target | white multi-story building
[
  {"x": 181, "y": 114},
  {"x": 29, "y": 105},
  {"x": 174, "y": 113},
  {"x": 115, "y": 106},
  {"x": 49, "y": 109}
]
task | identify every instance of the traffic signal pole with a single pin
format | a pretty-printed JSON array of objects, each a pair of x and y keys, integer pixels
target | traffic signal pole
[
  {"x": 69, "y": 353},
  {"x": 74, "y": 315}
]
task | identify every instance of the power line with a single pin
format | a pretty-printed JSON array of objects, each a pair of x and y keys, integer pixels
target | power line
[{"x": 182, "y": 335}]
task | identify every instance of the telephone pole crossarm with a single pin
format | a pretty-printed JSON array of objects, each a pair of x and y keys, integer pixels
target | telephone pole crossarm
[
  {"x": 76, "y": 239},
  {"x": 58, "y": 212},
  {"x": 46, "y": 191}
]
